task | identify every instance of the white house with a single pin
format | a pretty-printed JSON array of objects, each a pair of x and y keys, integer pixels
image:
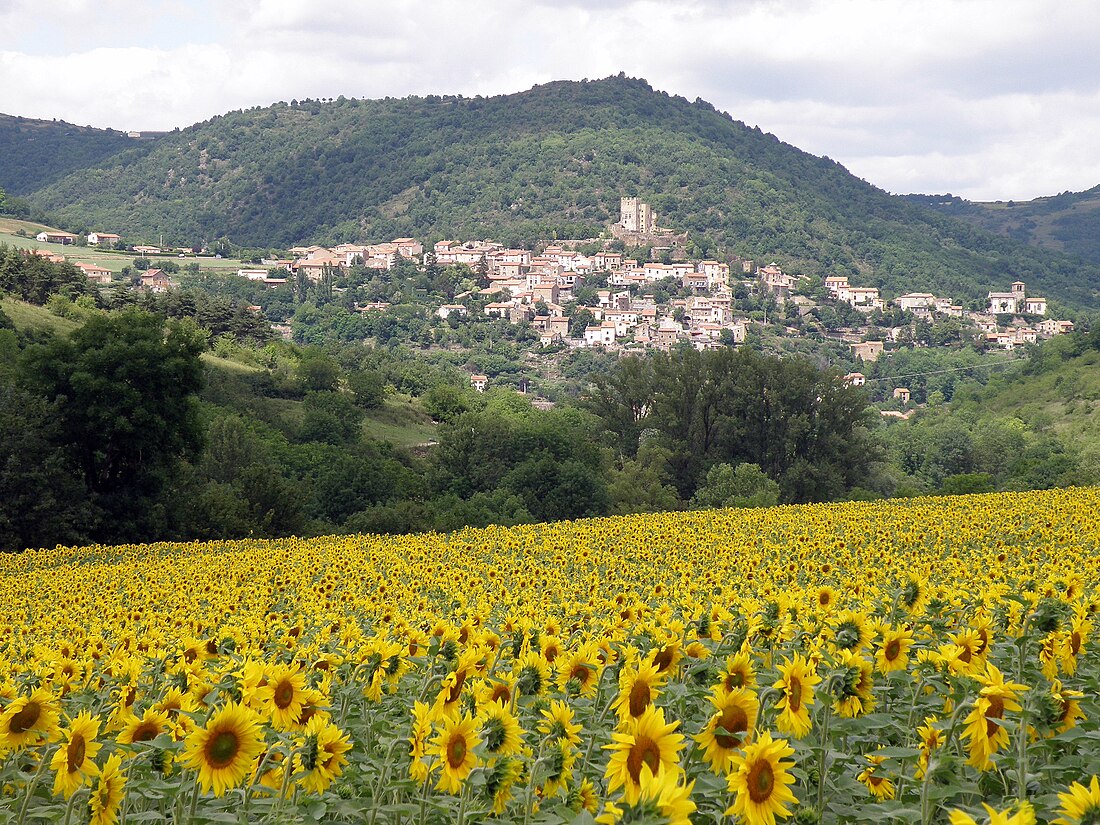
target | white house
[
  {"x": 447, "y": 310},
  {"x": 602, "y": 335},
  {"x": 55, "y": 237}
]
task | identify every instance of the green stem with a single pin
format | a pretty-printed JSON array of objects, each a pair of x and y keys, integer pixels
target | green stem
[
  {"x": 288, "y": 771},
  {"x": 925, "y": 810},
  {"x": 194, "y": 803},
  {"x": 821, "y": 764},
  {"x": 71, "y": 805},
  {"x": 424, "y": 799},
  {"x": 462, "y": 803},
  {"x": 32, "y": 786},
  {"x": 1021, "y": 733}
]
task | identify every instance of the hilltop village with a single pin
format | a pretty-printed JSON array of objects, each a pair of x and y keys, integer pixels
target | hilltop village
[{"x": 592, "y": 293}]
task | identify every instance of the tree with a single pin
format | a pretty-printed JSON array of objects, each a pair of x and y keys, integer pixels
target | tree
[
  {"x": 369, "y": 387},
  {"x": 444, "y": 402},
  {"x": 579, "y": 322},
  {"x": 317, "y": 372},
  {"x": 742, "y": 486},
  {"x": 800, "y": 425},
  {"x": 42, "y": 502},
  {"x": 123, "y": 387},
  {"x": 622, "y": 399}
]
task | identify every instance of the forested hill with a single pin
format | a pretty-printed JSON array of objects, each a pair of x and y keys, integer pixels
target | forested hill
[
  {"x": 1069, "y": 222},
  {"x": 35, "y": 153},
  {"x": 549, "y": 162}
]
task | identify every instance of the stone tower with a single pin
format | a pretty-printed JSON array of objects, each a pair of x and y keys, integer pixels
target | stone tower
[{"x": 628, "y": 209}]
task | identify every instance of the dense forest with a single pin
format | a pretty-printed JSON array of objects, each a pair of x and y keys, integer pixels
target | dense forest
[
  {"x": 35, "y": 153},
  {"x": 548, "y": 163},
  {"x": 1069, "y": 222}
]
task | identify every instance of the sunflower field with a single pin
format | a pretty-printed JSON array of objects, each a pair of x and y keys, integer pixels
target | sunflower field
[{"x": 916, "y": 661}]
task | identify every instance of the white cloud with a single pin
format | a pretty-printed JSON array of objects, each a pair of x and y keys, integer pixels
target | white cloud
[{"x": 985, "y": 98}]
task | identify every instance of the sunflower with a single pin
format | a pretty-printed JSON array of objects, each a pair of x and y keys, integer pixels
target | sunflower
[
  {"x": 1080, "y": 804},
  {"x": 581, "y": 669},
  {"x": 663, "y": 797},
  {"x": 557, "y": 723},
  {"x": 893, "y": 653},
  {"x": 177, "y": 705},
  {"x": 666, "y": 657},
  {"x": 638, "y": 687},
  {"x": 851, "y": 631},
  {"x": 583, "y": 797},
  {"x": 108, "y": 792},
  {"x": 1076, "y": 641},
  {"x": 281, "y": 697},
  {"x": 852, "y": 690},
  {"x": 73, "y": 762},
  {"x": 647, "y": 740},
  {"x": 500, "y": 730},
  {"x": 913, "y": 594},
  {"x": 1050, "y": 654},
  {"x": 931, "y": 738},
  {"x": 496, "y": 690},
  {"x": 505, "y": 774},
  {"x": 797, "y": 679},
  {"x": 1024, "y": 816},
  {"x": 466, "y": 667},
  {"x": 67, "y": 674},
  {"x": 454, "y": 746},
  {"x": 826, "y": 599},
  {"x": 531, "y": 675},
  {"x": 739, "y": 672},
  {"x": 983, "y": 730},
  {"x": 879, "y": 786},
  {"x": 319, "y": 754},
  {"x": 729, "y": 728},
  {"x": 969, "y": 660},
  {"x": 29, "y": 720},
  {"x": 760, "y": 779},
  {"x": 148, "y": 727},
  {"x": 551, "y": 649},
  {"x": 418, "y": 741},
  {"x": 1067, "y": 706},
  {"x": 225, "y": 751},
  {"x": 251, "y": 676},
  {"x": 560, "y": 758},
  {"x": 269, "y": 771}
]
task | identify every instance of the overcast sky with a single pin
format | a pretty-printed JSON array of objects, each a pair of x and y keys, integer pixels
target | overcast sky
[{"x": 987, "y": 99}]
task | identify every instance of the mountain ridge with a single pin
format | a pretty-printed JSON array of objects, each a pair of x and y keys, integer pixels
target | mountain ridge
[
  {"x": 1068, "y": 222},
  {"x": 547, "y": 163}
]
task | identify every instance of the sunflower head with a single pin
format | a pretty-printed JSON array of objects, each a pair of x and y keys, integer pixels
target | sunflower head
[
  {"x": 224, "y": 752},
  {"x": 759, "y": 781}
]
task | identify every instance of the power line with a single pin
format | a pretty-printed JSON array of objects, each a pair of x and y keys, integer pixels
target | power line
[{"x": 950, "y": 369}]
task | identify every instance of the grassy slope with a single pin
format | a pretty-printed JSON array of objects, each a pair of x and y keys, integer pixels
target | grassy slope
[
  {"x": 114, "y": 261},
  {"x": 400, "y": 421},
  {"x": 1066, "y": 399},
  {"x": 29, "y": 316},
  {"x": 12, "y": 225}
]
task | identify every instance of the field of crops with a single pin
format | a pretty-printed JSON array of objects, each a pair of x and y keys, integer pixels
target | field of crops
[{"x": 914, "y": 661}]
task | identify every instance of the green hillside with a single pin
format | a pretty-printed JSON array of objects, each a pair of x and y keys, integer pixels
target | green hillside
[
  {"x": 549, "y": 162},
  {"x": 1068, "y": 223},
  {"x": 35, "y": 153},
  {"x": 1034, "y": 425}
]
